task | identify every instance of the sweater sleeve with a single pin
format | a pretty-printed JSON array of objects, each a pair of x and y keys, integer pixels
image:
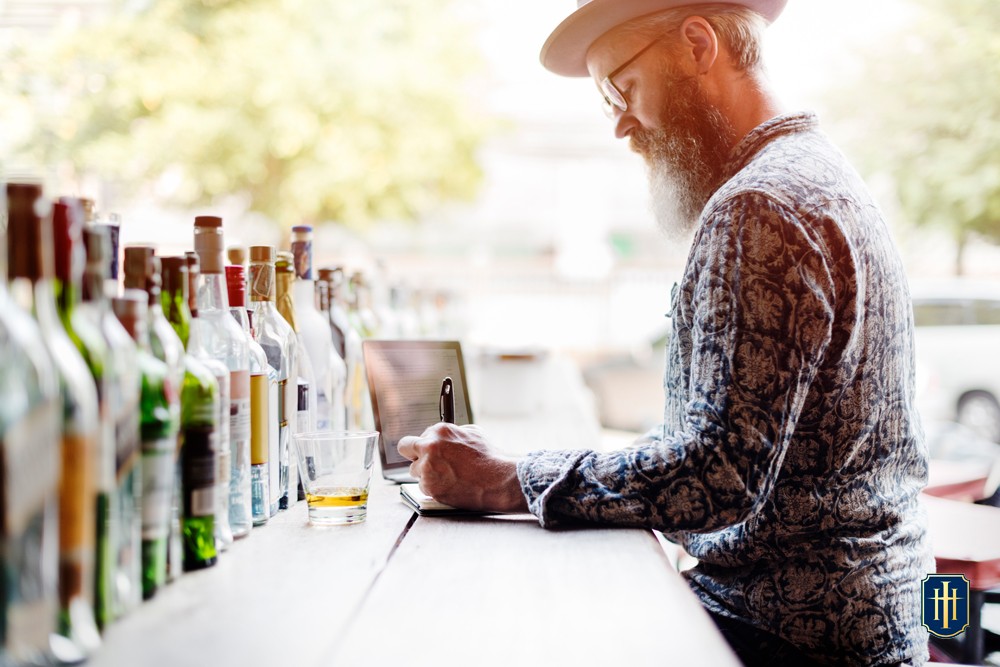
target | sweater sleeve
[{"x": 756, "y": 328}]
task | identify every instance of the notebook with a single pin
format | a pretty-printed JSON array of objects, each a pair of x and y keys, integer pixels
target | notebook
[
  {"x": 425, "y": 505},
  {"x": 404, "y": 382}
]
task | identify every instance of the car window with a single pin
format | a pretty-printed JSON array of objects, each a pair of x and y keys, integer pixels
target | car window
[
  {"x": 986, "y": 312},
  {"x": 939, "y": 313}
]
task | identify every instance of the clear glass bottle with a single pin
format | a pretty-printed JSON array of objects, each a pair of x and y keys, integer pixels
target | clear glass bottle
[
  {"x": 223, "y": 340},
  {"x": 143, "y": 270},
  {"x": 99, "y": 336},
  {"x": 30, "y": 467},
  {"x": 329, "y": 369},
  {"x": 277, "y": 339},
  {"x": 199, "y": 455},
  {"x": 262, "y": 377},
  {"x": 30, "y": 259},
  {"x": 159, "y": 429},
  {"x": 358, "y": 402},
  {"x": 337, "y": 408},
  {"x": 196, "y": 348}
]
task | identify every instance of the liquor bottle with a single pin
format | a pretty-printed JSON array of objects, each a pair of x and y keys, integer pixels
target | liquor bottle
[
  {"x": 338, "y": 407},
  {"x": 30, "y": 466},
  {"x": 143, "y": 271},
  {"x": 199, "y": 456},
  {"x": 304, "y": 396},
  {"x": 263, "y": 382},
  {"x": 67, "y": 218},
  {"x": 30, "y": 259},
  {"x": 277, "y": 339},
  {"x": 117, "y": 474},
  {"x": 357, "y": 383},
  {"x": 196, "y": 348},
  {"x": 314, "y": 330},
  {"x": 159, "y": 428},
  {"x": 225, "y": 341}
]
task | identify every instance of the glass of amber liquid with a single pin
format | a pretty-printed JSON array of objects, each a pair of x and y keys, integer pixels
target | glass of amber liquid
[{"x": 336, "y": 470}]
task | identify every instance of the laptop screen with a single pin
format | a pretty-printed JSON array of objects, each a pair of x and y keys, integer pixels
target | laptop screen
[{"x": 404, "y": 380}]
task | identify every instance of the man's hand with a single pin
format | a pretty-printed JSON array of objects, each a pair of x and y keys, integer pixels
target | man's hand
[{"x": 457, "y": 466}]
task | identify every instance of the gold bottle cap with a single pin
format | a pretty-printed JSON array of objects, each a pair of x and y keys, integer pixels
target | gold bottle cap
[{"x": 262, "y": 253}]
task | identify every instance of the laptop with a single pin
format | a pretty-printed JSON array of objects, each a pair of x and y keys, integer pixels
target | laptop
[{"x": 404, "y": 381}]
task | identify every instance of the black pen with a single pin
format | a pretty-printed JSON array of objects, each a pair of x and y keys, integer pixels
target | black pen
[{"x": 446, "y": 402}]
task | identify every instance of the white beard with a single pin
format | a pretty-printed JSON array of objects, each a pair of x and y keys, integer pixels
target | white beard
[{"x": 675, "y": 206}]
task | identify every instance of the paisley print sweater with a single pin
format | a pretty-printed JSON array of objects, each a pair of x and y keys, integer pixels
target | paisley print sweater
[{"x": 790, "y": 457}]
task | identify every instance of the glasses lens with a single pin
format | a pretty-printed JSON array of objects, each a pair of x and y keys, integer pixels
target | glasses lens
[{"x": 612, "y": 98}]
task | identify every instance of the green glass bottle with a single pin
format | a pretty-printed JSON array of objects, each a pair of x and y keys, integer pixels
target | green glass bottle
[
  {"x": 158, "y": 429},
  {"x": 119, "y": 475},
  {"x": 199, "y": 429}
]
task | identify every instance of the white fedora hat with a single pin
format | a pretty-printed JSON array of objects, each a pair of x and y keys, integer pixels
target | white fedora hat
[{"x": 565, "y": 51}]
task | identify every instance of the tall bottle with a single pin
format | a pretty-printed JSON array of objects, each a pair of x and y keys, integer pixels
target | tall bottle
[
  {"x": 277, "y": 339},
  {"x": 196, "y": 348},
  {"x": 357, "y": 383},
  {"x": 199, "y": 455},
  {"x": 143, "y": 271},
  {"x": 119, "y": 515},
  {"x": 262, "y": 376},
  {"x": 30, "y": 467},
  {"x": 159, "y": 430},
  {"x": 329, "y": 369},
  {"x": 31, "y": 283},
  {"x": 305, "y": 386},
  {"x": 225, "y": 341}
]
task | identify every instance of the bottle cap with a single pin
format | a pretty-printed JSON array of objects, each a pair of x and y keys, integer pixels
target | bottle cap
[
  {"x": 28, "y": 254},
  {"x": 97, "y": 245},
  {"x": 237, "y": 255},
  {"x": 67, "y": 223},
  {"x": 262, "y": 253},
  {"x": 208, "y": 243},
  {"x": 284, "y": 262},
  {"x": 236, "y": 285},
  {"x": 137, "y": 268},
  {"x": 194, "y": 269},
  {"x": 302, "y": 251},
  {"x": 208, "y": 221}
]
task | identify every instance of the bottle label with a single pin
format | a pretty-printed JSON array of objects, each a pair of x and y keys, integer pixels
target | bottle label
[
  {"x": 259, "y": 424},
  {"x": 239, "y": 406},
  {"x": 77, "y": 526},
  {"x": 275, "y": 430},
  {"x": 198, "y": 471},
  {"x": 157, "y": 487}
]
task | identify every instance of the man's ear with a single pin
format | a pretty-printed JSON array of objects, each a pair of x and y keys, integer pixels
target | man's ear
[{"x": 699, "y": 44}]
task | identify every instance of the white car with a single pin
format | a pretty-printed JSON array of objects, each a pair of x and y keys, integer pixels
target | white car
[{"x": 958, "y": 353}]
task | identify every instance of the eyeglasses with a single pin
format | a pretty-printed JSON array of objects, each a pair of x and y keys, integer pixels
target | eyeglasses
[{"x": 613, "y": 97}]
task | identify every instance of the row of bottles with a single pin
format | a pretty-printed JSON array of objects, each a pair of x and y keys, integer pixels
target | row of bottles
[{"x": 146, "y": 419}]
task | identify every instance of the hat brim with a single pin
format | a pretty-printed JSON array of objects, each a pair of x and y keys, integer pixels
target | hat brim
[{"x": 565, "y": 51}]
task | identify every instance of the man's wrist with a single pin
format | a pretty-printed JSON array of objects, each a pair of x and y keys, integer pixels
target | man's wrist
[{"x": 511, "y": 497}]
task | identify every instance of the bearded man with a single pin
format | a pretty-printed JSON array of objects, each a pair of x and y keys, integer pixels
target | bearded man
[{"x": 790, "y": 458}]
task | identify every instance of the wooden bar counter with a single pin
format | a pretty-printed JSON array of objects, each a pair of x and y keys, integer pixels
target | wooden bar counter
[{"x": 406, "y": 590}]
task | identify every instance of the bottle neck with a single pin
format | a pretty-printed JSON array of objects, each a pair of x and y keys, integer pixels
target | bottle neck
[
  {"x": 261, "y": 283},
  {"x": 242, "y": 318},
  {"x": 213, "y": 295},
  {"x": 176, "y": 310},
  {"x": 285, "y": 301},
  {"x": 67, "y": 297}
]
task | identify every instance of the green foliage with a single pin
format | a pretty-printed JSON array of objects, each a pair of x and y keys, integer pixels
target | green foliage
[
  {"x": 313, "y": 110},
  {"x": 927, "y": 113}
]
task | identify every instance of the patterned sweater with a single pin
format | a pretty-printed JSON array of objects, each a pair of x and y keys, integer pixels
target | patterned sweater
[{"x": 790, "y": 458}]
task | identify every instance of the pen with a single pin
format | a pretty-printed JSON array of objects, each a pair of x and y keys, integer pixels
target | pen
[{"x": 446, "y": 402}]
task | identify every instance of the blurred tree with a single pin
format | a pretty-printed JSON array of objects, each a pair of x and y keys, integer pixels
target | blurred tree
[
  {"x": 313, "y": 110},
  {"x": 926, "y": 112}
]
